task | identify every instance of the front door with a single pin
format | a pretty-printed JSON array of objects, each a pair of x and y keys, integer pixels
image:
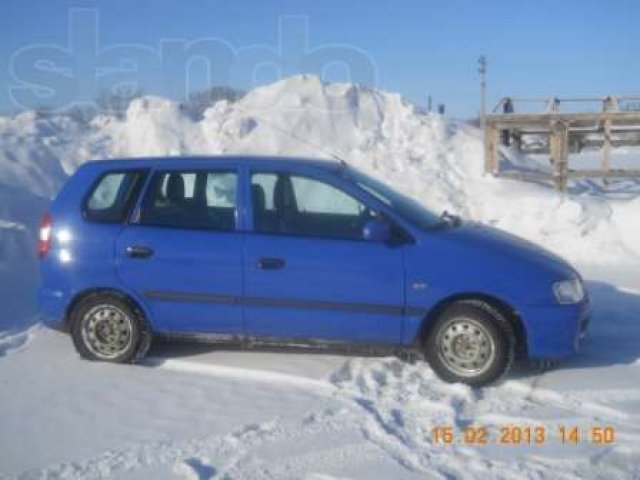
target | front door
[
  {"x": 183, "y": 255},
  {"x": 308, "y": 272}
]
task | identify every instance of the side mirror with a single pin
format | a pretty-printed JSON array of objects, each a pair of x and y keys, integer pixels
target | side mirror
[{"x": 376, "y": 230}]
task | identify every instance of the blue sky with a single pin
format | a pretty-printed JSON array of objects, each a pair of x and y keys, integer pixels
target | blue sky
[{"x": 417, "y": 48}]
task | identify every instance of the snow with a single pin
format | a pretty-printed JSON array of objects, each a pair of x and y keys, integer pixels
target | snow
[{"x": 192, "y": 411}]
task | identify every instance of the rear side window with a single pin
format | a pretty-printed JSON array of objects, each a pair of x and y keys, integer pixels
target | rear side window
[
  {"x": 112, "y": 195},
  {"x": 204, "y": 200}
]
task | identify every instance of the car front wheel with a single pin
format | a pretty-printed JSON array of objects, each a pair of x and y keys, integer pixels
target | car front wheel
[{"x": 471, "y": 342}]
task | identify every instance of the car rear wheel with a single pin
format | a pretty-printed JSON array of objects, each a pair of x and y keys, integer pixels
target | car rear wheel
[
  {"x": 471, "y": 342},
  {"x": 108, "y": 328}
]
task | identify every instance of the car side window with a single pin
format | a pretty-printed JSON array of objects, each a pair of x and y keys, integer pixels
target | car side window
[
  {"x": 220, "y": 190},
  {"x": 112, "y": 195},
  {"x": 290, "y": 204},
  {"x": 313, "y": 196},
  {"x": 196, "y": 200}
]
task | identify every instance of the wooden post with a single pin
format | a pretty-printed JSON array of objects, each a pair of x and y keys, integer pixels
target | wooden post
[
  {"x": 559, "y": 149},
  {"x": 606, "y": 146},
  {"x": 610, "y": 104},
  {"x": 491, "y": 151}
]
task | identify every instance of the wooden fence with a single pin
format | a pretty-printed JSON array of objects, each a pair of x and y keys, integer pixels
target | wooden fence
[{"x": 562, "y": 133}]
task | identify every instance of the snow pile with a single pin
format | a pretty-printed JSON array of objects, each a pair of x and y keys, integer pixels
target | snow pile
[
  {"x": 18, "y": 278},
  {"x": 32, "y": 150},
  {"x": 429, "y": 157}
]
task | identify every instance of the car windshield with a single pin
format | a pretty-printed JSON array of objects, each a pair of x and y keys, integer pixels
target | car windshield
[{"x": 406, "y": 207}]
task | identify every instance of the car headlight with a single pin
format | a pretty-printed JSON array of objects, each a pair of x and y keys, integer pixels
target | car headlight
[{"x": 569, "y": 291}]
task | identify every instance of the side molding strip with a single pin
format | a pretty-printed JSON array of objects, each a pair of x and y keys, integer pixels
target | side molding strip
[{"x": 283, "y": 303}]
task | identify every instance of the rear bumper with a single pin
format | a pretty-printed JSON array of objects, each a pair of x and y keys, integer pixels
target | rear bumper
[
  {"x": 555, "y": 331},
  {"x": 52, "y": 307}
]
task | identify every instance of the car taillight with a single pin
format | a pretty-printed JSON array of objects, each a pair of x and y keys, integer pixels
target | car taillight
[{"x": 44, "y": 239}]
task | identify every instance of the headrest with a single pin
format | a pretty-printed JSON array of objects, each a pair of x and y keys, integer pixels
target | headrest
[
  {"x": 283, "y": 196},
  {"x": 175, "y": 188},
  {"x": 258, "y": 198}
]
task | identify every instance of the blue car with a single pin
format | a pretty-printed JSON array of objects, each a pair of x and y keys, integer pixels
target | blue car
[{"x": 263, "y": 250}]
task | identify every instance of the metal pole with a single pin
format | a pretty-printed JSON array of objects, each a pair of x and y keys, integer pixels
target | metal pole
[{"x": 482, "y": 69}]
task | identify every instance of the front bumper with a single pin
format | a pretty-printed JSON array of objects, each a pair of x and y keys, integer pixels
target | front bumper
[{"x": 555, "y": 331}]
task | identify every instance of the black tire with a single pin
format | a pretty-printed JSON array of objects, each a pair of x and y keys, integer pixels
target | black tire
[
  {"x": 129, "y": 348},
  {"x": 488, "y": 344}
]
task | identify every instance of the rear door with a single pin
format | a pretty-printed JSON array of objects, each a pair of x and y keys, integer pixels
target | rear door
[
  {"x": 308, "y": 272},
  {"x": 182, "y": 253}
]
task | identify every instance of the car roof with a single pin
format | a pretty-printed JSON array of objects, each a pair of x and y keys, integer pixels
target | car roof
[{"x": 189, "y": 161}]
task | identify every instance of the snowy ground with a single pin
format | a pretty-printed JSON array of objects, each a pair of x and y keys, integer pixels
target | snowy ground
[{"x": 193, "y": 411}]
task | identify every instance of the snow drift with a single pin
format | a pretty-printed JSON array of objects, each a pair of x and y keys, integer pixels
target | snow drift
[{"x": 431, "y": 158}]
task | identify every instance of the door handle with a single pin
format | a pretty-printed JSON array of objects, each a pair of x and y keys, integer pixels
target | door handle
[
  {"x": 270, "y": 263},
  {"x": 139, "y": 251}
]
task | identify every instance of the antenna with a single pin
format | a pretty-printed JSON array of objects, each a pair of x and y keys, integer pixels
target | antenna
[{"x": 309, "y": 144}]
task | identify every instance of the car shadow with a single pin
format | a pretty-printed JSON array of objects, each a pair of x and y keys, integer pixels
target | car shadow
[
  {"x": 165, "y": 348},
  {"x": 613, "y": 338}
]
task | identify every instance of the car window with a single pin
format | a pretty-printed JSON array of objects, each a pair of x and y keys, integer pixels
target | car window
[
  {"x": 198, "y": 200},
  {"x": 220, "y": 189},
  {"x": 291, "y": 204},
  {"x": 405, "y": 206},
  {"x": 189, "y": 179},
  {"x": 317, "y": 197},
  {"x": 111, "y": 196},
  {"x": 261, "y": 184}
]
